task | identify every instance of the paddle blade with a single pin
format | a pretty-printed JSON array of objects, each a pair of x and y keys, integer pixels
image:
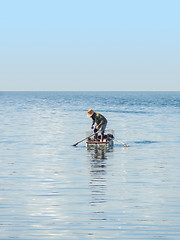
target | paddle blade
[{"x": 74, "y": 145}]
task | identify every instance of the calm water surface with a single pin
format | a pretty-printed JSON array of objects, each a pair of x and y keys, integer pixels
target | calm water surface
[{"x": 52, "y": 190}]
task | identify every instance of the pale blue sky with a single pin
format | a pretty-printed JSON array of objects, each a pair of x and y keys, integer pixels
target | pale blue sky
[{"x": 89, "y": 45}]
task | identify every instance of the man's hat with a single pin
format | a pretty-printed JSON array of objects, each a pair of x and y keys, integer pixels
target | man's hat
[{"x": 90, "y": 112}]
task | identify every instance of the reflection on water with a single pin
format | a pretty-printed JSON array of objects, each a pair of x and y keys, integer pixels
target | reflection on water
[
  {"x": 99, "y": 152},
  {"x": 98, "y": 185}
]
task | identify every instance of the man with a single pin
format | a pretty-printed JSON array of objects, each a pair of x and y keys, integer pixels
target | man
[{"x": 100, "y": 121}]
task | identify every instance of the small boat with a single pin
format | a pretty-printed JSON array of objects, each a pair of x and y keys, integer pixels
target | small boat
[{"x": 96, "y": 143}]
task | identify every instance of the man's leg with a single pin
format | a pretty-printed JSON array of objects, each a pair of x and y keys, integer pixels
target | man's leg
[
  {"x": 102, "y": 137},
  {"x": 102, "y": 128},
  {"x": 96, "y": 135}
]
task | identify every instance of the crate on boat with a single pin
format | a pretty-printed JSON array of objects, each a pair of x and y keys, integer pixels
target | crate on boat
[{"x": 107, "y": 141}]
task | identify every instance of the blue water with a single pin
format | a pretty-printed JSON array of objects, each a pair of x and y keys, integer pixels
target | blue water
[{"x": 52, "y": 190}]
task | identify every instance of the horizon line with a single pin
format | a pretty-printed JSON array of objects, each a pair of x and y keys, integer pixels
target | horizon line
[{"x": 89, "y": 90}]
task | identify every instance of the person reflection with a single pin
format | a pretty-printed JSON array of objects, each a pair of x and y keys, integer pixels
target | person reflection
[
  {"x": 98, "y": 175},
  {"x": 97, "y": 153},
  {"x": 98, "y": 183}
]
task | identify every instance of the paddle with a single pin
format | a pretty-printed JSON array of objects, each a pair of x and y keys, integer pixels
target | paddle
[
  {"x": 125, "y": 145},
  {"x": 84, "y": 139}
]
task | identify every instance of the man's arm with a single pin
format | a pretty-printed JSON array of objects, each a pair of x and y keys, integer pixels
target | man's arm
[{"x": 92, "y": 125}]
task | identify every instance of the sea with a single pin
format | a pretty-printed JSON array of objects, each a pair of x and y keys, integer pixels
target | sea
[{"x": 50, "y": 189}]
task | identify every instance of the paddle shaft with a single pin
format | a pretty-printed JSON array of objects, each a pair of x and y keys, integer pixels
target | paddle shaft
[
  {"x": 85, "y": 139},
  {"x": 125, "y": 145}
]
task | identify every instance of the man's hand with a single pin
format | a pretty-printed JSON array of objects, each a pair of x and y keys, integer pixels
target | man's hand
[
  {"x": 97, "y": 127},
  {"x": 92, "y": 127}
]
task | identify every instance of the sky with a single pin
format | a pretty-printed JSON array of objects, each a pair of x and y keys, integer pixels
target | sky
[{"x": 82, "y": 45}]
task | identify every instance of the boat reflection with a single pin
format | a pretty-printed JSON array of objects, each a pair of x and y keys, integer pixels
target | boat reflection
[
  {"x": 98, "y": 183},
  {"x": 99, "y": 152}
]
